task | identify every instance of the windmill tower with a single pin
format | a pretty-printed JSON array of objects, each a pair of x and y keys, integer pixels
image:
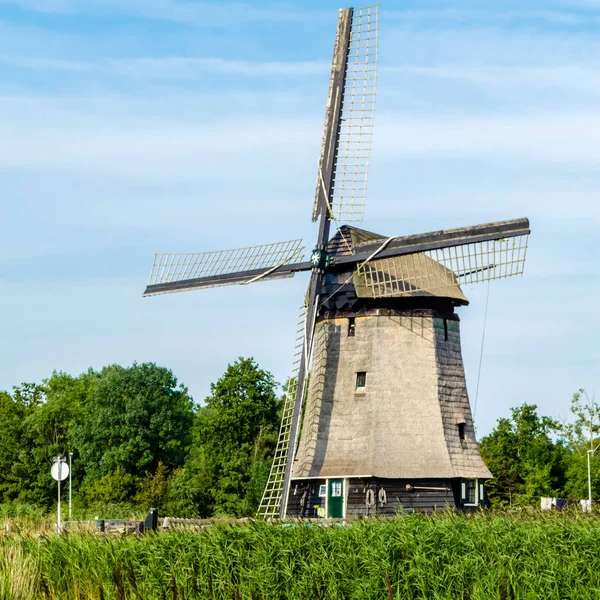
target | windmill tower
[{"x": 385, "y": 423}]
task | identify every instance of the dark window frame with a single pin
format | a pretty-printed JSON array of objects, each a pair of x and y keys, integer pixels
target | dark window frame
[
  {"x": 469, "y": 492},
  {"x": 361, "y": 380},
  {"x": 351, "y": 326}
]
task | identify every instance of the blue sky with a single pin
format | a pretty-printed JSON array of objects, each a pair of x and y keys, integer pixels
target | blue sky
[{"x": 135, "y": 126}]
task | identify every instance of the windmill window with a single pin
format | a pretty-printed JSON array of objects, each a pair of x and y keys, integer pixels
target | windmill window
[
  {"x": 461, "y": 430},
  {"x": 351, "y": 327},
  {"x": 322, "y": 491},
  {"x": 361, "y": 380},
  {"x": 446, "y": 330},
  {"x": 469, "y": 491}
]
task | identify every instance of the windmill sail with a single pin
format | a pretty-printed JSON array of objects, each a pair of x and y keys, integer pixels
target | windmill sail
[
  {"x": 448, "y": 259},
  {"x": 441, "y": 270},
  {"x": 195, "y": 270},
  {"x": 270, "y": 505},
  {"x": 349, "y": 119}
]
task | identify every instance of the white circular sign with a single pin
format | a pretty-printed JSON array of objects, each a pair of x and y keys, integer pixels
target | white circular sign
[{"x": 60, "y": 470}]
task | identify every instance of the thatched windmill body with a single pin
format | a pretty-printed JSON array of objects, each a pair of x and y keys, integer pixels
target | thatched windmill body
[{"x": 385, "y": 423}]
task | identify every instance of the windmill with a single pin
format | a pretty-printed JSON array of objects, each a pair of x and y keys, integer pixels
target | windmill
[{"x": 385, "y": 422}]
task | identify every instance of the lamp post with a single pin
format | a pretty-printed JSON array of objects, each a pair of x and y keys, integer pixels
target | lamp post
[
  {"x": 70, "y": 486},
  {"x": 590, "y": 452}
]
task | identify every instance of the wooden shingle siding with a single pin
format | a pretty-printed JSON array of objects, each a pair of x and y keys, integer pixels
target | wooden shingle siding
[
  {"x": 398, "y": 498},
  {"x": 297, "y": 489},
  {"x": 454, "y": 402},
  {"x": 404, "y": 422}
]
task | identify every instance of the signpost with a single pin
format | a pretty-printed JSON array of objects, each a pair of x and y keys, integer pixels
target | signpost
[{"x": 59, "y": 472}]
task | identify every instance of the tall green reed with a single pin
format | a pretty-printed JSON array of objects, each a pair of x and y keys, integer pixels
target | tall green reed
[{"x": 478, "y": 557}]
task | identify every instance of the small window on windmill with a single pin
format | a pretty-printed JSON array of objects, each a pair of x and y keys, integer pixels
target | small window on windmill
[
  {"x": 468, "y": 491},
  {"x": 361, "y": 380},
  {"x": 351, "y": 327},
  {"x": 461, "y": 430},
  {"x": 322, "y": 491}
]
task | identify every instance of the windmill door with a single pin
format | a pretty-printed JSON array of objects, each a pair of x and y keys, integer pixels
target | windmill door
[{"x": 335, "y": 498}]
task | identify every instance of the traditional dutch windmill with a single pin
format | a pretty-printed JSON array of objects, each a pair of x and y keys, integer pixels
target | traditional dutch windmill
[{"x": 385, "y": 423}]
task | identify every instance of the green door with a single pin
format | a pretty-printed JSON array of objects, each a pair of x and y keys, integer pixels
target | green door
[{"x": 335, "y": 498}]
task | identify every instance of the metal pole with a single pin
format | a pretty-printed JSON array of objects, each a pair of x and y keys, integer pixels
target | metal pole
[
  {"x": 589, "y": 453},
  {"x": 70, "y": 487},
  {"x": 58, "y": 526}
]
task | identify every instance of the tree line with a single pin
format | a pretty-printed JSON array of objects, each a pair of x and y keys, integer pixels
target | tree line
[
  {"x": 138, "y": 440},
  {"x": 532, "y": 455}
]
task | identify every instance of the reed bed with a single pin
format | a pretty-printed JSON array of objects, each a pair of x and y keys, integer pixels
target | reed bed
[{"x": 477, "y": 557}]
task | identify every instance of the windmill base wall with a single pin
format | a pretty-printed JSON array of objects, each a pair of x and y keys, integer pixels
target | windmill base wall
[
  {"x": 410, "y": 419},
  {"x": 402, "y": 496}
]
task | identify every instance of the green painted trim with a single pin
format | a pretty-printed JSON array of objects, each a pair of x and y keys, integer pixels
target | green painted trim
[{"x": 452, "y": 325}]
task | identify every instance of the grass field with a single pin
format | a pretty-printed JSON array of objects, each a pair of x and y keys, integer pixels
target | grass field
[{"x": 482, "y": 557}]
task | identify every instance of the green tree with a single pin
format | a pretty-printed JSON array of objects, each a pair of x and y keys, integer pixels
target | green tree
[
  {"x": 235, "y": 435},
  {"x": 17, "y": 445},
  {"x": 524, "y": 458},
  {"x": 49, "y": 431},
  {"x": 12, "y": 416},
  {"x": 190, "y": 488},
  {"x": 115, "y": 488},
  {"x": 581, "y": 436},
  {"x": 134, "y": 419},
  {"x": 37, "y": 423},
  {"x": 154, "y": 488}
]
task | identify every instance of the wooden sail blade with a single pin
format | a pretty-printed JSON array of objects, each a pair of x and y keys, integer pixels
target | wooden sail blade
[
  {"x": 435, "y": 240},
  {"x": 176, "y": 272},
  {"x": 441, "y": 272},
  {"x": 349, "y": 116}
]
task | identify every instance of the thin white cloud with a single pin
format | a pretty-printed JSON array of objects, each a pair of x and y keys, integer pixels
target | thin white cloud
[
  {"x": 121, "y": 169},
  {"x": 585, "y": 4},
  {"x": 488, "y": 45},
  {"x": 567, "y": 137},
  {"x": 179, "y": 11},
  {"x": 584, "y": 77},
  {"x": 140, "y": 147},
  {"x": 71, "y": 136},
  {"x": 574, "y": 76},
  {"x": 43, "y": 6},
  {"x": 470, "y": 15},
  {"x": 170, "y": 67}
]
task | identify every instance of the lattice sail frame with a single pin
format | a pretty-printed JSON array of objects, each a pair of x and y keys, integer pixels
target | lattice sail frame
[
  {"x": 355, "y": 132},
  {"x": 437, "y": 271},
  {"x": 171, "y": 267},
  {"x": 271, "y": 500}
]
